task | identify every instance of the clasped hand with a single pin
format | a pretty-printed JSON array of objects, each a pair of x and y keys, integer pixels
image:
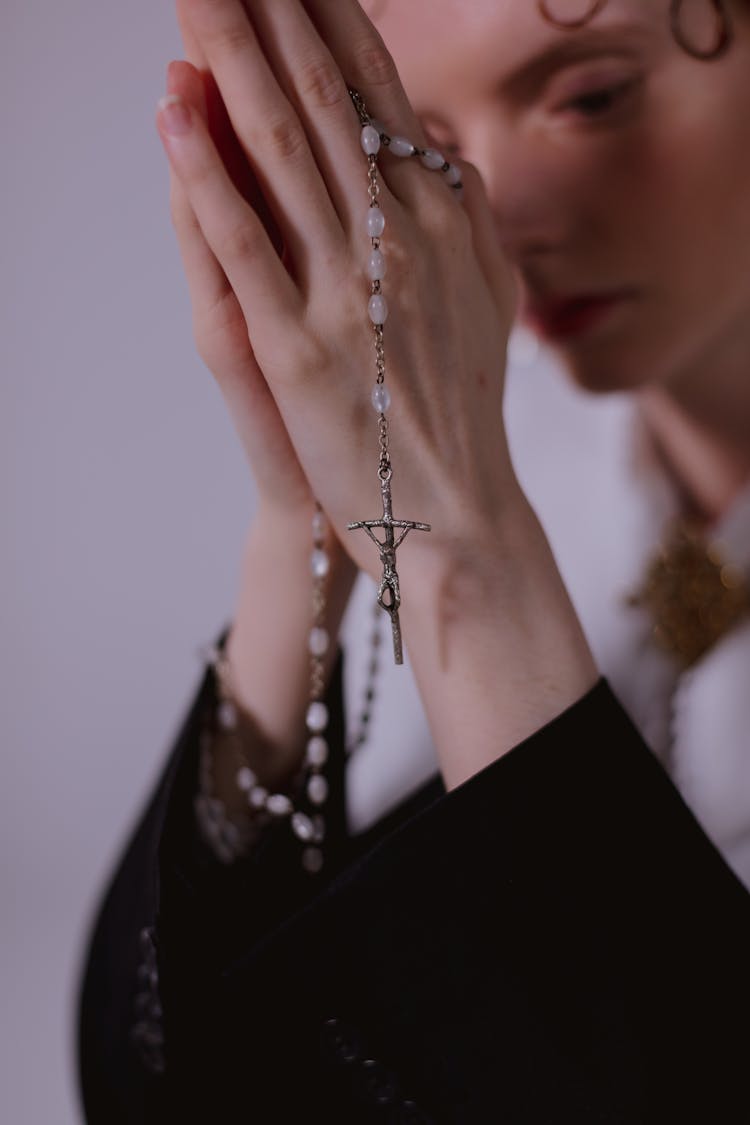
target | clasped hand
[{"x": 269, "y": 201}]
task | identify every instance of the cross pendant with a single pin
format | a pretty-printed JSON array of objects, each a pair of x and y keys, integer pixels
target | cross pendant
[{"x": 389, "y": 596}]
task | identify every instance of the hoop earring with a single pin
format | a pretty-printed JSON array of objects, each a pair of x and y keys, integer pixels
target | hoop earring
[
  {"x": 724, "y": 31},
  {"x": 592, "y": 9}
]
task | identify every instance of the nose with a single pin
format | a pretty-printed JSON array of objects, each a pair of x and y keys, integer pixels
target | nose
[{"x": 521, "y": 191}]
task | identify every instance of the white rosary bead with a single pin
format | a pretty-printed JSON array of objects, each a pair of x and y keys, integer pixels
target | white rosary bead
[
  {"x": 319, "y": 828},
  {"x": 317, "y": 751},
  {"x": 227, "y": 715},
  {"x": 256, "y": 798},
  {"x": 278, "y": 804},
  {"x": 370, "y": 139},
  {"x": 319, "y": 563},
  {"x": 376, "y": 267},
  {"x": 318, "y": 525},
  {"x": 302, "y": 826},
  {"x": 375, "y": 222},
  {"x": 453, "y": 175},
  {"x": 432, "y": 159},
  {"x": 318, "y": 641},
  {"x": 381, "y": 398},
  {"x": 246, "y": 779},
  {"x": 401, "y": 146},
  {"x": 213, "y": 809},
  {"x": 378, "y": 308},
  {"x": 317, "y": 789},
  {"x": 230, "y": 837},
  {"x": 317, "y": 716}
]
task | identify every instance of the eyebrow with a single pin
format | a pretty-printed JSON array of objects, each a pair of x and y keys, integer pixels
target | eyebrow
[{"x": 587, "y": 43}]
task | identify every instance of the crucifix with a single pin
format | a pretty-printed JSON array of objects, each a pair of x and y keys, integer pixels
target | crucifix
[{"x": 389, "y": 597}]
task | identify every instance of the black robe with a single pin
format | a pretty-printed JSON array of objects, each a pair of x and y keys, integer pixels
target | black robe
[{"x": 555, "y": 940}]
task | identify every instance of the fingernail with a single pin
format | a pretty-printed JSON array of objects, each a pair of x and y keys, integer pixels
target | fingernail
[{"x": 175, "y": 114}]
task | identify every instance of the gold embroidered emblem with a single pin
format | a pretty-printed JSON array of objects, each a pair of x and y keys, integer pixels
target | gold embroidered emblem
[{"x": 693, "y": 593}]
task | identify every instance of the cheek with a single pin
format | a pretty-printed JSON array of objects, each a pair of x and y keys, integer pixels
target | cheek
[
  {"x": 696, "y": 175},
  {"x": 669, "y": 216},
  {"x": 619, "y": 193},
  {"x": 696, "y": 225},
  {"x": 586, "y": 198},
  {"x": 628, "y": 232}
]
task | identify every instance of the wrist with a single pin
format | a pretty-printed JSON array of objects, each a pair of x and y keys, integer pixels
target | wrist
[
  {"x": 286, "y": 536},
  {"x": 469, "y": 559},
  {"x": 267, "y": 646},
  {"x": 495, "y": 643}
]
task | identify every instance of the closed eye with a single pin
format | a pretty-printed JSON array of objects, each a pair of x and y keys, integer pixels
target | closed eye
[{"x": 600, "y": 102}]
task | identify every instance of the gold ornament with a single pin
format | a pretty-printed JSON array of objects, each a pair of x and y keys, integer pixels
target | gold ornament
[{"x": 693, "y": 593}]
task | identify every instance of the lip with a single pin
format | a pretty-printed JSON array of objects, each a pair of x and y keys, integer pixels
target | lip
[{"x": 566, "y": 317}]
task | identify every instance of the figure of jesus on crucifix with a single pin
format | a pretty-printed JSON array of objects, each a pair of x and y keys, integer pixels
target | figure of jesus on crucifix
[{"x": 387, "y": 550}]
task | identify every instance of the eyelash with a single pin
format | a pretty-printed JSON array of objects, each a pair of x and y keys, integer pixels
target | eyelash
[{"x": 613, "y": 95}]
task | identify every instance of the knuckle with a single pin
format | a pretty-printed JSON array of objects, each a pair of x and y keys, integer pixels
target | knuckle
[
  {"x": 205, "y": 344},
  {"x": 373, "y": 63},
  {"x": 285, "y": 137},
  {"x": 443, "y": 218},
  {"x": 232, "y": 37},
  {"x": 178, "y": 210},
  {"x": 310, "y": 352},
  {"x": 321, "y": 84},
  {"x": 241, "y": 241},
  {"x": 184, "y": 220},
  {"x": 220, "y": 334}
]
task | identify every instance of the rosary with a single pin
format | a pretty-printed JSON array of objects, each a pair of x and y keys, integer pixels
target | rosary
[
  {"x": 304, "y": 809},
  {"x": 389, "y": 594}
]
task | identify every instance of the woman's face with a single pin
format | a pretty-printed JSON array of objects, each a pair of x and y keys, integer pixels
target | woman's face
[{"x": 617, "y": 166}]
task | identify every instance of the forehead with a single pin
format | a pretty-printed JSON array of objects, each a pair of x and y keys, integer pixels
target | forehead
[{"x": 491, "y": 37}]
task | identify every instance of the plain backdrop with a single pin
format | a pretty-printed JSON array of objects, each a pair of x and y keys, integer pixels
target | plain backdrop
[{"x": 124, "y": 498}]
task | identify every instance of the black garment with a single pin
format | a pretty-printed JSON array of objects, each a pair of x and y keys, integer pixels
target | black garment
[{"x": 556, "y": 940}]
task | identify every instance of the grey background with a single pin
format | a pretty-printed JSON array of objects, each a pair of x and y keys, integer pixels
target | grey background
[{"x": 124, "y": 497}]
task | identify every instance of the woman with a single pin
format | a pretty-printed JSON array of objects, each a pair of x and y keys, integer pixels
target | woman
[{"x": 543, "y": 930}]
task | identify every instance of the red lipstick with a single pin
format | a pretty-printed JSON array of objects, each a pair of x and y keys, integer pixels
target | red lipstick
[{"x": 566, "y": 317}]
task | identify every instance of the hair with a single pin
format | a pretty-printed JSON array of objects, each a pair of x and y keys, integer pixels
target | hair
[{"x": 587, "y": 10}]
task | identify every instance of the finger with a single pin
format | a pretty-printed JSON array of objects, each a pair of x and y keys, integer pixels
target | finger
[
  {"x": 235, "y": 160},
  {"x": 184, "y": 79},
  {"x": 269, "y": 130},
  {"x": 220, "y": 127},
  {"x": 193, "y": 50},
  {"x": 368, "y": 66},
  {"x": 207, "y": 283},
  {"x": 221, "y": 331},
  {"x": 314, "y": 84},
  {"x": 230, "y": 227},
  {"x": 366, "y": 62}
]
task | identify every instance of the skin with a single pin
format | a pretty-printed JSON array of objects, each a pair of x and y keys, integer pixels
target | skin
[{"x": 271, "y": 159}]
